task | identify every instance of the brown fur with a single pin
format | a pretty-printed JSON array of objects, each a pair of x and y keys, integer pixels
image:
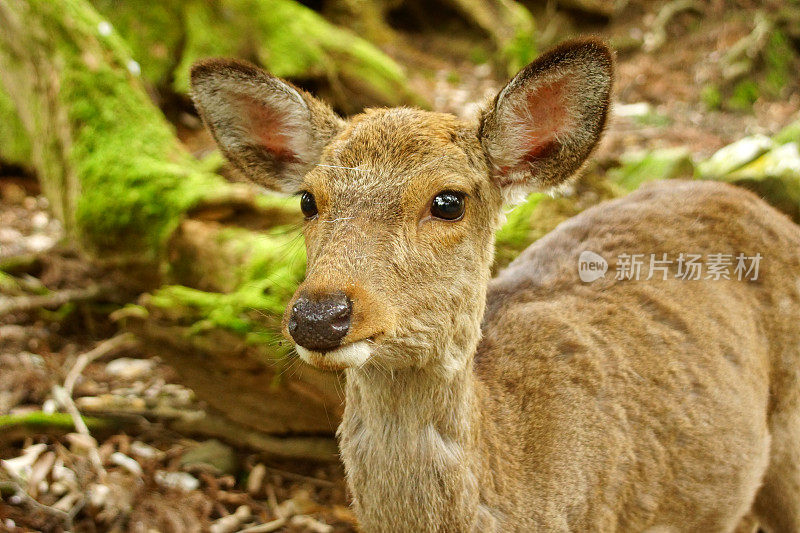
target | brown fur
[{"x": 538, "y": 402}]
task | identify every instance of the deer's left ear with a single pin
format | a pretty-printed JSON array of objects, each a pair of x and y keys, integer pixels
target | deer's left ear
[{"x": 542, "y": 126}]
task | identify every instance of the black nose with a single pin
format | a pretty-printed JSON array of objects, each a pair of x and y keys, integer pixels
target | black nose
[{"x": 320, "y": 323}]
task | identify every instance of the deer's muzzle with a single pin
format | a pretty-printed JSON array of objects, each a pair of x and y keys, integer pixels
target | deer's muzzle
[{"x": 319, "y": 323}]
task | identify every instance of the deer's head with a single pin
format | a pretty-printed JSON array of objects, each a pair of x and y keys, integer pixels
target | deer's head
[{"x": 401, "y": 204}]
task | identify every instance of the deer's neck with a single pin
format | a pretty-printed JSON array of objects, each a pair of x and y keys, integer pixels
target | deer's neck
[{"x": 410, "y": 442}]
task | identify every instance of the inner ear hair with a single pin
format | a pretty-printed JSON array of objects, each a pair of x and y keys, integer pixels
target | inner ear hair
[{"x": 542, "y": 126}]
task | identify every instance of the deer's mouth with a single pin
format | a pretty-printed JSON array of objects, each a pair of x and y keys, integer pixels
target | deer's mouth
[{"x": 351, "y": 355}]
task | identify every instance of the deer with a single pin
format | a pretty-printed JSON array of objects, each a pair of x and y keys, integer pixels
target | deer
[{"x": 533, "y": 401}]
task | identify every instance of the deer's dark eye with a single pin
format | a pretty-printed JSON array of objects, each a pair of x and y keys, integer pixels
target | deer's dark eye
[
  {"x": 308, "y": 205},
  {"x": 448, "y": 205}
]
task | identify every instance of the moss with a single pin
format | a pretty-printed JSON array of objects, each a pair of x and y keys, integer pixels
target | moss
[
  {"x": 790, "y": 133},
  {"x": 639, "y": 167},
  {"x": 9, "y": 284},
  {"x": 40, "y": 420},
  {"x": 515, "y": 235},
  {"x": 153, "y": 31},
  {"x": 136, "y": 182},
  {"x": 246, "y": 312},
  {"x": 711, "y": 97},
  {"x": 521, "y": 49},
  {"x": 15, "y": 146},
  {"x": 286, "y": 37},
  {"x": 541, "y": 213},
  {"x": 745, "y": 94},
  {"x": 652, "y": 118},
  {"x": 270, "y": 265},
  {"x": 778, "y": 57},
  {"x": 134, "y": 179},
  {"x": 478, "y": 55}
]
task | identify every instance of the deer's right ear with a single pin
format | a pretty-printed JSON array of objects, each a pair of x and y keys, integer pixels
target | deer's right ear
[
  {"x": 270, "y": 130},
  {"x": 545, "y": 122}
]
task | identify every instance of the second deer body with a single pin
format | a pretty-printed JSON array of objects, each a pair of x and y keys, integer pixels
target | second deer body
[{"x": 536, "y": 401}]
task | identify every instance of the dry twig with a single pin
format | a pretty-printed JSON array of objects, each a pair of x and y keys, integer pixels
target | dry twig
[
  {"x": 267, "y": 527},
  {"x": 63, "y": 395},
  {"x": 66, "y": 517},
  {"x": 106, "y": 347}
]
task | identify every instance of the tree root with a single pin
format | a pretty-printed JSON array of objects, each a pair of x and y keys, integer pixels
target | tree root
[
  {"x": 740, "y": 57},
  {"x": 22, "y": 304},
  {"x": 211, "y": 425},
  {"x": 657, "y": 36}
]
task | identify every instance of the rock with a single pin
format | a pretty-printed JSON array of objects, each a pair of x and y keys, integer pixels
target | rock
[
  {"x": 256, "y": 478},
  {"x": 637, "y": 109},
  {"x": 9, "y": 235},
  {"x": 12, "y": 193},
  {"x": 129, "y": 369},
  {"x": 735, "y": 156},
  {"x": 128, "y": 463},
  {"x": 145, "y": 451},
  {"x": 39, "y": 242},
  {"x": 98, "y": 495},
  {"x": 211, "y": 455},
  {"x": 176, "y": 480},
  {"x": 774, "y": 176},
  {"x": 783, "y": 161},
  {"x": 81, "y": 444},
  {"x": 230, "y": 523},
  {"x": 20, "y": 467},
  {"x": 39, "y": 220}
]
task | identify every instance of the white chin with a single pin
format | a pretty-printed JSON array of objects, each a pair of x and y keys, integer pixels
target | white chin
[{"x": 351, "y": 355}]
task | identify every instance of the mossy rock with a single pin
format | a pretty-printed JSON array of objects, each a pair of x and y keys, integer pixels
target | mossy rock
[
  {"x": 774, "y": 176},
  {"x": 734, "y": 156}
]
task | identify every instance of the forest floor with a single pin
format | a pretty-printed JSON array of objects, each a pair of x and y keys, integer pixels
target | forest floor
[{"x": 673, "y": 96}]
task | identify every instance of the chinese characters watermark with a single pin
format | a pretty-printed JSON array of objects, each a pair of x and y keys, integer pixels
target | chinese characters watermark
[{"x": 683, "y": 266}]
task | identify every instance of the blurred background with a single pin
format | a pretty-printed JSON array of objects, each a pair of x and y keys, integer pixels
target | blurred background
[{"x": 143, "y": 383}]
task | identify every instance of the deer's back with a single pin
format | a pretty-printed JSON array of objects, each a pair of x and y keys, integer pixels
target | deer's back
[{"x": 636, "y": 393}]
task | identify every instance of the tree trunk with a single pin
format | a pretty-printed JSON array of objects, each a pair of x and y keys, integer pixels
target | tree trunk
[
  {"x": 287, "y": 38},
  {"x": 130, "y": 196}
]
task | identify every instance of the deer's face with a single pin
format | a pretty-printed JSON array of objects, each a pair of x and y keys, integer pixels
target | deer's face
[
  {"x": 401, "y": 204},
  {"x": 399, "y": 214}
]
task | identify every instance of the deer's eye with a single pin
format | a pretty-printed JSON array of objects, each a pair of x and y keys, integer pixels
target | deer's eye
[
  {"x": 308, "y": 205},
  {"x": 448, "y": 205}
]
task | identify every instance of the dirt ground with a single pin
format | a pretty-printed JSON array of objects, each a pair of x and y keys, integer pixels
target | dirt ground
[{"x": 159, "y": 480}]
